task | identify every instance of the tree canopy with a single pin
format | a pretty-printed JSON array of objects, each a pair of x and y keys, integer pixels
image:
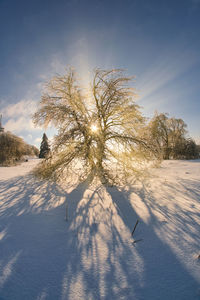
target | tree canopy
[{"x": 96, "y": 130}]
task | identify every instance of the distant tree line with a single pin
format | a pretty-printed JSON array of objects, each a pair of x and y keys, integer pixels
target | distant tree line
[
  {"x": 13, "y": 148},
  {"x": 169, "y": 138}
]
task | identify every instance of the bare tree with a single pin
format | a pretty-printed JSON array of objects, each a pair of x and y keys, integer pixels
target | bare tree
[
  {"x": 96, "y": 131},
  {"x": 169, "y": 135},
  {"x": 160, "y": 131},
  {"x": 13, "y": 148}
]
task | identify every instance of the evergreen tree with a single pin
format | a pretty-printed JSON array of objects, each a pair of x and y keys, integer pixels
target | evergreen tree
[{"x": 44, "y": 147}]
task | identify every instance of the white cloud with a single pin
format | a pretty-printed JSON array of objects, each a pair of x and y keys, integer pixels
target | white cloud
[
  {"x": 37, "y": 140},
  {"x": 19, "y": 117},
  {"x": 21, "y": 108},
  {"x": 18, "y": 125},
  {"x": 29, "y": 136}
]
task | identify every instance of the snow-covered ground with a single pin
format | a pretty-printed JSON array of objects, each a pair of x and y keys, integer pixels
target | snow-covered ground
[{"x": 93, "y": 255}]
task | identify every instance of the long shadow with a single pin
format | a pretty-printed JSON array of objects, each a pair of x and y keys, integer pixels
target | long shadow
[
  {"x": 101, "y": 260},
  {"x": 89, "y": 257},
  {"x": 33, "y": 240},
  {"x": 165, "y": 276},
  {"x": 44, "y": 257}
]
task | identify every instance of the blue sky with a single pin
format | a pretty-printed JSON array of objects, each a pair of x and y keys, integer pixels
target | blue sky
[{"x": 157, "y": 41}]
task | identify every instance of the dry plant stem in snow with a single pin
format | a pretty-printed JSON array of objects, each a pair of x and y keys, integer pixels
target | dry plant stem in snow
[{"x": 135, "y": 227}]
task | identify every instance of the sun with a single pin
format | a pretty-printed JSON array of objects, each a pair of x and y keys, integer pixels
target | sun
[{"x": 94, "y": 128}]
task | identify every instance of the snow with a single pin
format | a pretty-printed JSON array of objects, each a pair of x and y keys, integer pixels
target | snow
[{"x": 93, "y": 255}]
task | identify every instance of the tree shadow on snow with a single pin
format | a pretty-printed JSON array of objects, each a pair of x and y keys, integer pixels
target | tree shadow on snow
[
  {"x": 164, "y": 274},
  {"x": 92, "y": 256},
  {"x": 31, "y": 237}
]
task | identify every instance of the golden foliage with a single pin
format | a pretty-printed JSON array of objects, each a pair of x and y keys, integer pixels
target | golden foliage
[{"x": 95, "y": 130}]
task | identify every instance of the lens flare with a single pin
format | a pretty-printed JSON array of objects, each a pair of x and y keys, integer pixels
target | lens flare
[{"x": 94, "y": 128}]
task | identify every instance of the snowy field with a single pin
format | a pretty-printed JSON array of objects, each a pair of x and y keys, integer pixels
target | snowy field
[{"x": 93, "y": 256}]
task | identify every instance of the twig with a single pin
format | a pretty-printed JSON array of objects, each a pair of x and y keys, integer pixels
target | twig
[
  {"x": 137, "y": 241},
  {"x": 135, "y": 227}
]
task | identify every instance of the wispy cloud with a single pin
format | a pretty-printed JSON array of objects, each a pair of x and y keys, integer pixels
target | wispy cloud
[
  {"x": 164, "y": 70},
  {"x": 29, "y": 136},
  {"x": 161, "y": 87},
  {"x": 18, "y": 117},
  {"x": 38, "y": 140},
  {"x": 21, "y": 108},
  {"x": 18, "y": 125}
]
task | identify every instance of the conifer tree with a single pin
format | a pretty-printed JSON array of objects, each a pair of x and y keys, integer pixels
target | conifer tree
[{"x": 44, "y": 147}]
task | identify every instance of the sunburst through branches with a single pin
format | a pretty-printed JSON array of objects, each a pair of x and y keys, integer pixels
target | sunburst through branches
[{"x": 101, "y": 136}]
